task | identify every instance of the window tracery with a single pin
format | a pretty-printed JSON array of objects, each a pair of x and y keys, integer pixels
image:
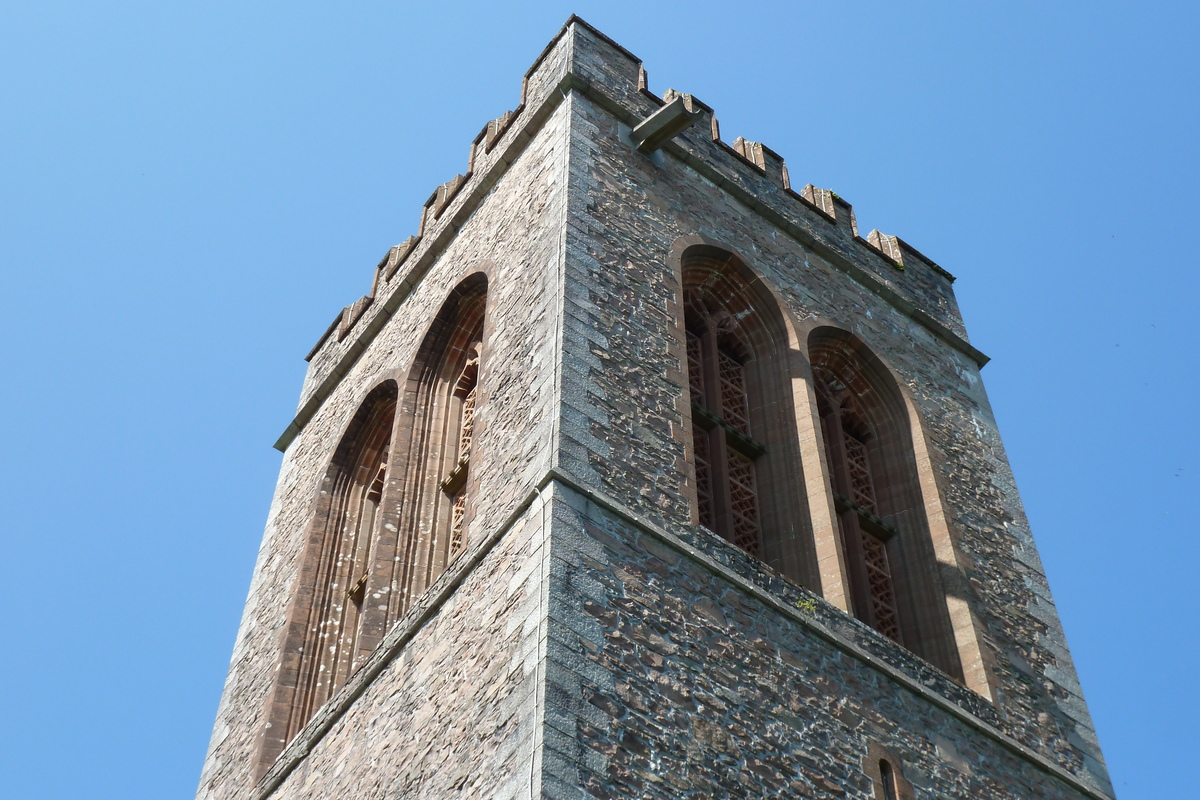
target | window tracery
[
  {"x": 465, "y": 392},
  {"x": 727, "y": 492},
  {"x": 864, "y": 538},
  {"x": 445, "y": 400}
]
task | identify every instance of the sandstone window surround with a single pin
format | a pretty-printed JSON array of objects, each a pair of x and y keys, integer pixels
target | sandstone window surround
[
  {"x": 886, "y": 772},
  {"x": 888, "y": 779},
  {"x": 323, "y": 641},
  {"x": 440, "y": 413},
  {"x": 745, "y": 482},
  {"x": 889, "y": 560},
  {"x": 726, "y": 490},
  {"x": 844, "y": 484},
  {"x": 847, "y": 436},
  {"x": 394, "y": 510}
]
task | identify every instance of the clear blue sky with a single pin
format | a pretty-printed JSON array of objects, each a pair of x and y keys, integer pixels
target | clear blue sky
[{"x": 189, "y": 192}]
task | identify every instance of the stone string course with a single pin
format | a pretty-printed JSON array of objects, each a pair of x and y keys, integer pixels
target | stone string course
[{"x": 595, "y": 643}]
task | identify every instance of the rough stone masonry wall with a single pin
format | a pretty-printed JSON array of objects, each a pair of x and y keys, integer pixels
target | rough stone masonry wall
[
  {"x": 457, "y": 712},
  {"x": 667, "y": 680},
  {"x": 622, "y": 386},
  {"x": 517, "y": 231}
]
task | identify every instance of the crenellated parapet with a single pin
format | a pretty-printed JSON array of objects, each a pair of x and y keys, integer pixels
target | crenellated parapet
[
  {"x": 582, "y": 60},
  {"x": 820, "y": 199}
]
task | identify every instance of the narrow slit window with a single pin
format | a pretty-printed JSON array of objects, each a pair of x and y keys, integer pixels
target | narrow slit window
[{"x": 888, "y": 778}]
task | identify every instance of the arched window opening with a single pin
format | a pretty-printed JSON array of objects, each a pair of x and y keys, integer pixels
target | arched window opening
[
  {"x": 440, "y": 407},
  {"x": 324, "y": 643},
  {"x": 727, "y": 491},
  {"x": 394, "y": 511},
  {"x": 888, "y": 778},
  {"x": 745, "y": 451},
  {"x": 886, "y": 545},
  {"x": 864, "y": 535}
]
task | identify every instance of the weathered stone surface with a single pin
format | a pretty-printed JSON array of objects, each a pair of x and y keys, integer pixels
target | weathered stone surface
[
  {"x": 706, "y": 691},
  {"x": 515, "y": 237},
  {"x": 592, "y": 641}
]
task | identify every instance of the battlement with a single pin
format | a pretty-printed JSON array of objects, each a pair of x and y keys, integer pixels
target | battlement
[{"x": 755, "y": 174}]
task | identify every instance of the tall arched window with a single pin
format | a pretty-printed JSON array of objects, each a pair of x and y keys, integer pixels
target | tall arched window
[
  {"x": 749, "y": 487},
  {"x": 847, "y": 434},
  {"x": 439, "y": 425},
  {"x": 726, "y": 484},
  {"x": 886, "y": 545},
  {"x": 393, "y": 512},
  {"x": 324, "y": 641}
]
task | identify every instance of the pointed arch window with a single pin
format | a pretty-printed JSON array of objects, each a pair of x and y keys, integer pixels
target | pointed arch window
[
  {"x": 441, "y": 405},
  {"x": 327, "y": 635},
  {"x": 725, "y": 450},
  {"x": 393, "y": 513},
  {"x": 847, "y": 434},
  {"x": 744, "y": 446},
  {"x": 887, "y": 549}
]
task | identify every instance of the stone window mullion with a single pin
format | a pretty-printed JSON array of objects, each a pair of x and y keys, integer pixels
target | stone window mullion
[{"x": 455, "y": 483}]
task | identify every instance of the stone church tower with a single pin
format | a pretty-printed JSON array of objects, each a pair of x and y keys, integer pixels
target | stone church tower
[{"x": 639, "y": 473}]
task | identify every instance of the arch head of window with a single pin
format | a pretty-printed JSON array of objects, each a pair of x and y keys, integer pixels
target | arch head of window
[
  {"x": 393, "y": 512},
  {"x": 440, "y": 424}
]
